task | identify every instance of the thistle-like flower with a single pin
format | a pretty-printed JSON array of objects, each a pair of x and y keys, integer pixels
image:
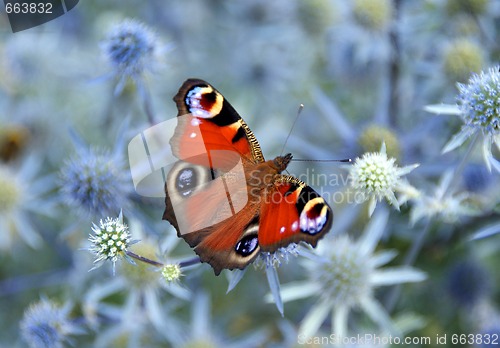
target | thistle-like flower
[
  {"x": 94, "y": 183},
  {"x": 345, "y": 277},
  {"x": 448, "y": 206},
  {"x": 375, "y": 176},
  {"x": 171, "y": 272},
  {"x": 131, "y": 48},
  {"x": 479, "y": 108},
  {"x": 461, "y": 57},
  {"x": 46, "y": 324},
  {"x": 373, "y": 14},
  {"x": 468, "y": 283},
  {"x": 110, "y": 241},
  {"x": 374, "y": 135}
]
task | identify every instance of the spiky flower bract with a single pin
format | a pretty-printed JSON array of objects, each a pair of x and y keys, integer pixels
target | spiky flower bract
[
  {"x": 346, "y": 277},
  {"x": 269, "y": 262},
  {"x": 375, "y": 176},
  {"x": 47, "y": 325}
]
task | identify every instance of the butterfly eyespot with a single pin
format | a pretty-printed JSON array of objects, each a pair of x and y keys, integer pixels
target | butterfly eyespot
[
  {"x": 186, "y": 181},
  {"x": 247, "y": 245}
]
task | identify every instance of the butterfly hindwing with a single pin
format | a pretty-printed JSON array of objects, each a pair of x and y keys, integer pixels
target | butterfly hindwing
[{"x": 292, "y": 212}]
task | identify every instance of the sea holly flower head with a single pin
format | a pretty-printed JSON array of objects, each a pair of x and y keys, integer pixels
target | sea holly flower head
[
  {"x": 132, "y": 49},
  {"x": 461, "y": 57},
  {"x": 46, "y": 324},
  {"x": 479, "y": 102},
  {"x": 130, "y": 45},
  {"x": 373, "y": 14},
  {"x": 468, "y": 282},
  {"x": 372, "y": 136},
  {"x": 171, "y": 272},
  {"x": 478, "y": 105},
  {"x": 110, "y": 241},
  {"x": 375, "y": 176},
  {"x": 94, "y": 183},
  {"x": 450, "y": 207}
]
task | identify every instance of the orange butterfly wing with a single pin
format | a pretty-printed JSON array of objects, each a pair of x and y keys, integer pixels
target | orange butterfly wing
[{"x": 208, "y": 124}]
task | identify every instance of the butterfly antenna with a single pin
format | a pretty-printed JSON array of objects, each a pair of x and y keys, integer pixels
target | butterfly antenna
[
  {"x": 299, "y": 111},
  {"x": 345, "y": 160}
]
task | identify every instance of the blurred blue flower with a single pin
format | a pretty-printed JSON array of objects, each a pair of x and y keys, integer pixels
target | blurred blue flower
[
  {"x": 94, "y": 182},
  {"x": 467, "y": 282},
  {"x": 21, "y": 196},
  {"x": 47, "y": 325},
  {"x": 131, "y": 48},
  {"x": 449, "y": 206},
  {"x": 345, "y": 277},
  {"x": 476, "y": 178}
]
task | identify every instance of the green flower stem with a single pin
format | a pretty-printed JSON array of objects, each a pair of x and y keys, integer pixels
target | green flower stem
[{"x": 418, "y": 243}]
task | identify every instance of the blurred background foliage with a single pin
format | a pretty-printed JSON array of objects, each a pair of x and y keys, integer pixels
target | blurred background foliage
[{"x": 364, "y": 69}]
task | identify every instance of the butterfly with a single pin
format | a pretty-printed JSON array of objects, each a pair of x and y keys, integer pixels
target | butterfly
[{"x": 223, "y": 198}]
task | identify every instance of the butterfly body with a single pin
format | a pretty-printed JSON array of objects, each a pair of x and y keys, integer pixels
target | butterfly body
[{"x": 224, "y": 199}]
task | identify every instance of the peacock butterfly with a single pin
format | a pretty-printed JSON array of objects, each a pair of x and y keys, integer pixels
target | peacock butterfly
[{"x": 222, "y": 197}]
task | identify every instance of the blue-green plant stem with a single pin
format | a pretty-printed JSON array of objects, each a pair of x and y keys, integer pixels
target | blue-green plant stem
[{"x": 182, "y": 264}]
